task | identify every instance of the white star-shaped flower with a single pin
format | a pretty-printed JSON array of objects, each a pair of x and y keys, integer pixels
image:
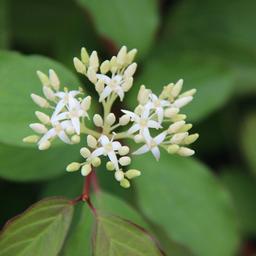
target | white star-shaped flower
[
  {"x": 152, "y": 146},
  {"x": 113, "y": 84},
  {"x": 142, "y": 123},
  {"x": 108, "y": 148},
  {"x": 158, "y": 105}
]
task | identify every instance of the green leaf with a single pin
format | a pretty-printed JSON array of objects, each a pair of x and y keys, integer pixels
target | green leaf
[
  {"x": 132, "y": 23},
  {"x": 182, "y": 197},
  {"x": 4, "y": 11},
  {"x": 248, "y": 140},
  {"x": 116, "y": 236},
  {"x": 207, "y": 73},
  {"x": 40, "y": 230},
  {"x": 18, "y": 81},
  {"x": 242, "y": 187}
]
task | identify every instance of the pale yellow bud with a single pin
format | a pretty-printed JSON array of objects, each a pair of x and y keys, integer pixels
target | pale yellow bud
[
  {"x": 44, "y": 145},
  {"x": 84, "y": 56},
  {"x": 127, "y": 85},
  {"x": 172, "y": 149},
  {"x": 79, "y": 66},
  {"x": 110, "y": 166},
  {"x": 105, "y": 67},
  {"x": 138, "y": 138},
  {"x": 91, "y": 141},
  {"x": 73, "y": 167},
  {"x": 176, "y": 126},
  {"x": 70, "y": 130},
  {"x": 99, "y": 86},
  {"x": 181, "y": 102},
  {"x": 39, "y": 128},
  {"x": 96, "y": 161},
  {"x": 43, "y": 78},
  {"x": 186, "y": 128},
  {"x": 86, "y": 169},
  {"x": 124, "y": 120},
  {"x": 132, "y": 173},
  {"x": 91, "y": 74},
  {"x": 130, "y": 70},
  {"x": 42, "y": 117},
  {"x": 121, "y": 56},
  {"x": 31, "y": 139},
  {"x": 86, "y": 103},
  {"x": 48, "y": 93},
  {"x": 125, "y": 183},
  {"x": 98, "y": 121},
  {"x": 94, "y": 60},
  {"x": 75, "y": 139},
  {"x": 178, "y": 117},
  {"x": 124, "y": 150},
  {"x": 113, "y": 64},
  {"x": 111, "y": 118},
  {"x": 191, "y": 92},
  {"x": 125, "y": 160},
  {"x": 177, "y": 88},
  {"x": 54, "y": 80},
  {"x": 167, "y": 91},
  {"x": 40, "y": 101},
  {"x": 85, "y": 152},
  {"x": 119, "y": 175},
  {"x": 191, "y": 139},
  {"x": 131, "y": 55},
  {"x": 143, "y": 95},
  {"x": 178, "y": 137},
  {"x": 183, "y": 151},
  {"x": 170, "y": 112}
]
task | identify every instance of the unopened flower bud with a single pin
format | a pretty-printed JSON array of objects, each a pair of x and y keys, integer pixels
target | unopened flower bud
[
  {"x": 86, "y": 169},
  {"x": 176, "y": 126},
  {"x": 105, "y": 67},
  {"x": 183, "y": 151},
  {"x": 121, "y": 56},
  {"x": 110, "y": 166},
  {"x": 125, "y": 160},
  {"x": 113, "y": 64},
  {"x": 138, "y": 138},
  {"x": 44, "y": 145},
  {"x": 167, "y": 91},
  {"x": 54, "y": 80},
  {"x": 124, "y": 150},
  {"x": 191, "y": 139},
  {"x": 39, "y": 128},
  {"x": 31, "y": 139},
  {"x": 130, "y": 70},
  {"x": 177, "y": 88},
  {"x": 43, "y": 78},
  {"x": 143, "y": 95},
  {"x": 96, "y": 161},
  {"x": 185, "y": 128},
  {"x": 172, "y": 149},
  {"x": 119, "y": 175},
  {"x": 125, "y": 183},
  {"x": 94, "y": 60},
  {"x": 75, "y": 139},
  {"x": 170, "y": 112},
  {"x": 48, "y": 93},
  {"x": 73, "y": 167},
  {"x": 43, "y": 118},
  {"x": 132, "y": 173},
  {"x": 91, "y": 141},
  {"x": 91, "y": 74},
  {"x": 178, "y": 137},
  {"x": 86, "y": 103},
  {"x": 127, "y": 85},
  {"x": 40, "y": 101},
  {"x": 85, "y": 152},
  {"x": 99, "y": 86},
  {"x": 178, "y": 117},
  {"x": 98, "y": 121},
  {"x": 131, "y": 55},
  {"x": 79, "y": 66},
  {"x": 191, "y": 92},
  {"x": 84, "y": 56},
  {"x": 124, "y": 120},
  {"x": 181, "y": 102},
  {"x": 111, "y": 118},
  {"x": 70, "y": 130}
]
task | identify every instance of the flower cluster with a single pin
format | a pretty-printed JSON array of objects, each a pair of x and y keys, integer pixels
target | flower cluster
[{"x": 155, "y": 123}]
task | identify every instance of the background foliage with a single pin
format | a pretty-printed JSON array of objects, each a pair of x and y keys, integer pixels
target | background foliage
[{"x": 202, "y": 206}]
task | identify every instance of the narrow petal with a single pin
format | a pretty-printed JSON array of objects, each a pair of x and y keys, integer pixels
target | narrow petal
[
  {"x": 59, "y": 107},
  {"x": 49, "y": 135},
  {"x": 156, "y": 152},
  {"x": 160, "y": 138},
  {"x": 76, "y": 124},
  {"x": 98, "y": 152},
  {"x": 146, "y": 135},
  {"x": 116, "y": 145},
  {"x": 160, "y": 114},
  {"x": 106, "y": 92},
  {"x": 104, "y": 140},
  {"x": 154, "y": 124},
  {"x": 134, "y": 129},
  {"x": 141, "y": 150},
  {"x": 104, "y": 78},
  {"x": 60, "y": 117},
  {"x": 120, "y": 93},
  {"x": 129, "y": 113},
  {"x": 113, "y": 159},
  {"x": 63, "y": 136}
]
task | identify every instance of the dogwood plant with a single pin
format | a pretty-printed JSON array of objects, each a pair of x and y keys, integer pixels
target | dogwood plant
[{"x": 156, "y": 122}]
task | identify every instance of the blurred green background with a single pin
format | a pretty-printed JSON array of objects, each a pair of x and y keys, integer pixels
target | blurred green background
[{"x": 201, "y": 206}]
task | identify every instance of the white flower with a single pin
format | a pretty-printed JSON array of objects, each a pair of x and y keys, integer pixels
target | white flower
[
  {"x": 152, "y": 146},
  {"x": 142, "y": 123},
  {"x": 58, "y": 129},
  {"x": 108, "y": 148},
  {"x": 158, "y": 105},
  {"x": 113, "y": 84}
]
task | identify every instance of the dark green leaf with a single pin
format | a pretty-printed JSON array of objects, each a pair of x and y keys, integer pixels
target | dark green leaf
[
  {"x": 4, "y": 11},
  {"x": 130, "y": 23},
  {"x": 40, "y": 230},
  {"x": 181, "y": 196}
]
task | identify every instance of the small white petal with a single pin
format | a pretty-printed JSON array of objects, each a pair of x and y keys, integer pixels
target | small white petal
[{"x": 142, "y": 150}]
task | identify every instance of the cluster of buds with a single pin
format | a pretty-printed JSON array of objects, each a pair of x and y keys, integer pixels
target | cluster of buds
[{"x": 158, "y": 115}]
